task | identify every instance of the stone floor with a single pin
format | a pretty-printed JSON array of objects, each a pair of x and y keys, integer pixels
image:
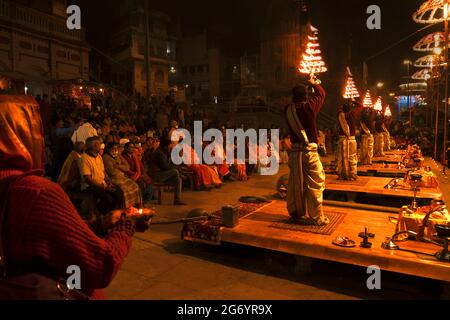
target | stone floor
[{"x": 161, "y": 266}]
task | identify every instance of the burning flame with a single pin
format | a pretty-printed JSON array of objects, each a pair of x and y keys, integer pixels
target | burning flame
[
  {"x": 378, "y": 106},
  {"x": 388, "y": 112}
]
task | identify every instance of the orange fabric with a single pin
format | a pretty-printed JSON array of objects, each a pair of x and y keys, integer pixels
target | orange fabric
[
  {"x": 21, "y": 134},
  {"x": 203, "y": 175},
  {"x": 223, "y": 169},
  {"x": 241, "y": 172}
]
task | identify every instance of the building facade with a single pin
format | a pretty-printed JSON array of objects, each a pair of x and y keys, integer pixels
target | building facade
[
  {"x": 36, "y": 46},
  {"x": 283, "y": 37},
  {"x": 128, "y": 51},
  {"x": 208, "y": 74}
]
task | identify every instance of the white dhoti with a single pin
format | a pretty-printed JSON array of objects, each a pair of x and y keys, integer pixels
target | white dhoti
[
  {"x": 347, "y": 161},
  {"x": 306, "y": 185},
  {"x": 379, "y": 145},
  {"x": 387, "y": 141},
  {"x": 367, "y": 142}
]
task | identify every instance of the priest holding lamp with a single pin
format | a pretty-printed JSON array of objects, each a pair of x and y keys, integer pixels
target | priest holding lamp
[
  {"x": 387, "y": 124},
  {"x": 367, "y": 140},
  {"x": 307, "y": 176},
  {"x": 347, "y": 159},
  {"x": 379, "y": 130}
]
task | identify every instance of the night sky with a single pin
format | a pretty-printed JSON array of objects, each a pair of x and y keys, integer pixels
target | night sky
[{"x": 341, "y": 23}]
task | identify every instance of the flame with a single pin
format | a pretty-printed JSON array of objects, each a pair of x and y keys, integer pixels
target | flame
[
  {"x": 378, "y": 106},
  {"x": 368, "y": 103},
  {"x": 388, "y": 112}
]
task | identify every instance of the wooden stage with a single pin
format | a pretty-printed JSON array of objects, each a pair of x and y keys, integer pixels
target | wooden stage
[
  {"x": 395, "y": 152},
  {"x": 389, "y": 170},
  {"x": 374, "y": 186},
  {"x": 388, "y": 159},
  {"x": 256, "y": 230},
  {"x": 380, "y": 170}
]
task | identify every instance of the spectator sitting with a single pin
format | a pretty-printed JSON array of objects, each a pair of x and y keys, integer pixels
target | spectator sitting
[
  {"x": 162, "y": 171},
  {"x": 115, "y": 167},
  {"x": 94, "y": 178},
  {"x": 69, "y": 178},
  {"x": 136, "y": 171}
]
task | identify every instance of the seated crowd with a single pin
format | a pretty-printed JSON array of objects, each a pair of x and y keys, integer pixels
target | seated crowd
[{"x": 105, "y": 163}]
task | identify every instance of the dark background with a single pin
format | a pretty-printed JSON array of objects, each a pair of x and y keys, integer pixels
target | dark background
[{"x": 342, "y": 25}]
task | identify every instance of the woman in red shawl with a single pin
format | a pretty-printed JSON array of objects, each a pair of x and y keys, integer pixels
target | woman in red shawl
[{"x": 42, "y": 230}]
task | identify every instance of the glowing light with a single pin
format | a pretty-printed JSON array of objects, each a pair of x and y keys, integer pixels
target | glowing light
[
  {"x": 432, "y": 11},
  {"x": 427, "y": 62},
  {"x": 378, "y": 106},
  {"x": 437, "y": 51},
  {"x": 368, "y": 103},
  {"x": 101, "y": 90},
  {"x": 424, "y": 74},
  {"x": 388, "y": 112},
  {"x": 141, "y": 211},
  {"x": 312, "y": 62},
  {"x": 392, "y": 94},
  {"x": 380, "y": 85},
  {"x": 407, "y": 62},
  {"x": 81, "y": 88},
  {"x": 351, "y": 91},
  {"x": 430, "y": 42}
]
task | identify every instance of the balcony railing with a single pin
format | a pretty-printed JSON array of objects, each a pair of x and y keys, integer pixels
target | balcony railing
[{"x": 21, "y": 16}]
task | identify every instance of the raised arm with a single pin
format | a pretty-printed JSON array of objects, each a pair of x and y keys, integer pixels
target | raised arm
[{"x": 318, "y": 99}]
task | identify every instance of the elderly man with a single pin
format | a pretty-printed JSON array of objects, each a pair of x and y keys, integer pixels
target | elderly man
[
  {"x": 307, "y": 177},
  {"x": 94, "y": 178}
]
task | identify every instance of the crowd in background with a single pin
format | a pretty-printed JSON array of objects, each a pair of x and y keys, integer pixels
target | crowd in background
[{"x": 118, "y": 151}]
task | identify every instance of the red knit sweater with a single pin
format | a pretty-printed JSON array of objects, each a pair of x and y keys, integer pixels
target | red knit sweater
[{"x": 43, "y": 230}]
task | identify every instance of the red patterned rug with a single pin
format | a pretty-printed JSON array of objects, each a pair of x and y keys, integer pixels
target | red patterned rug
[{"x": 336, "y": 218}]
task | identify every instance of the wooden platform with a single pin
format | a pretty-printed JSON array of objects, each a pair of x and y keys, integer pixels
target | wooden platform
[
  {"x": 392, "y": 158},
  {"x": 380, "y": 170},
  {"x": 375, "y": 186},
  {"x": 254, "y": 230},
  {"x": 395, "y": 152}
]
